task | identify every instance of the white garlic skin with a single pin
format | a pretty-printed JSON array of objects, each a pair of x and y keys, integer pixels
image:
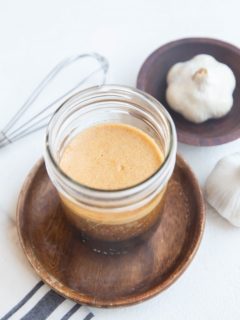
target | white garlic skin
[
  {"x": 222, "y": 189},
  {"x": 200, "y": 88}
]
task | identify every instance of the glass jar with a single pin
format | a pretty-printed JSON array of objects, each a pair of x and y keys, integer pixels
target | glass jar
[{"x": 111, "y": 221}]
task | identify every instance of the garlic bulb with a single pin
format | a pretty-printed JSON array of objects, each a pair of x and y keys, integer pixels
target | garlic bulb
[
  {"x": 222, "y": 188},
  {"x": 200, "y": 88}
]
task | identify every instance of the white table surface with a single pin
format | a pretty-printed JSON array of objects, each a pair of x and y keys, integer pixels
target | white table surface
[{"x": 34, "y": 36}]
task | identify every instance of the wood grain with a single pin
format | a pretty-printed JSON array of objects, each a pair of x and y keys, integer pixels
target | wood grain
[
  {"x": 72, "y": 269},
  {"x": 152, "y": 79}
]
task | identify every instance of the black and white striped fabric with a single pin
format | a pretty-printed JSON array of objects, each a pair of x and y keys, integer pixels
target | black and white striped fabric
[
  {"x": 22, "y": 295},
  {"x": 43, "y": 303}
]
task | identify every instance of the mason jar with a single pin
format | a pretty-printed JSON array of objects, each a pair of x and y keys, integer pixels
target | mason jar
[{"x": 111, "y": 221}]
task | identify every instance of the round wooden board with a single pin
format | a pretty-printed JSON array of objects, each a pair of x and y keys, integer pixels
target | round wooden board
[
  {"x": 57, "y": 254},
  {"x": 152, "y": 79}
]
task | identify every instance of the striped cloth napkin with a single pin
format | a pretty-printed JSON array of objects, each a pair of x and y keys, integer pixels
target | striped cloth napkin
[
  {"x": 22, "y": 295},
  {"x": 42, "y": 303}
]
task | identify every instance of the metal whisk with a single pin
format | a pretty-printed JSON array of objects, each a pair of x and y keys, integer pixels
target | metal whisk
[{"x": 11, "y": 132}]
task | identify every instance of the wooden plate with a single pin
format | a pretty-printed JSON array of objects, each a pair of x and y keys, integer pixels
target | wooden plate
[
  {"x": 152, "y": 79},
  {"x": 59, "y": 257}
]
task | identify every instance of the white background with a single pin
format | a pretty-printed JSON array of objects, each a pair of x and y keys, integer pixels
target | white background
[{"x": 34, "y": 35}]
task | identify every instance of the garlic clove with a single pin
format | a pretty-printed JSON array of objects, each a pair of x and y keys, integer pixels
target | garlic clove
[{"x": 222, "y": 188}]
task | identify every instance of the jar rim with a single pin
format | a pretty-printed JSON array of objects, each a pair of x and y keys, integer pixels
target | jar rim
[{"x": 107, "y": 88}]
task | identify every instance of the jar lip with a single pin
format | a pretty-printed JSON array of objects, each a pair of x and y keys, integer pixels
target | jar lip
[{"x": 106, "y": 88}]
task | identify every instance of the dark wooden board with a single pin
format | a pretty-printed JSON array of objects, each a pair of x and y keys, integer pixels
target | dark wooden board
[
  {"x": 152, "y": 79},
  {"x": 57, "y": 254}
]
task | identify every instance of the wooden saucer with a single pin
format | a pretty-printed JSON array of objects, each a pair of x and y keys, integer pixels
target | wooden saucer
[
  {"x": 57, "y": 254},
  {"x": 152, "y": 79}
]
